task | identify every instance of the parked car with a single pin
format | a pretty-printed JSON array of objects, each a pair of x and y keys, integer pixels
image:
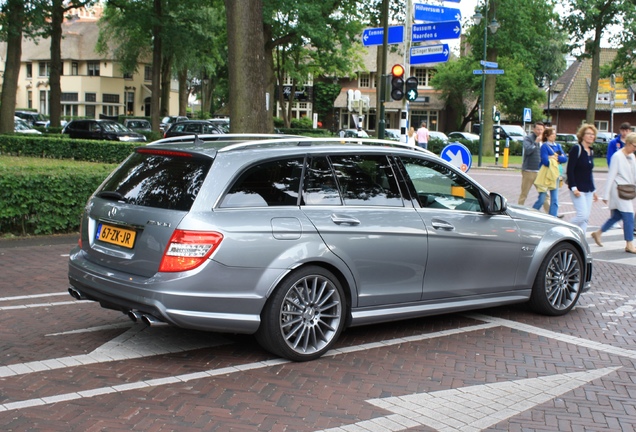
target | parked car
[
  {"x": 101, "y": 130},
  {"x": 563, "y": 138},
  {"x": 191, "y": 127},
  {"x": 32, "y": 118},
  {"x": 138, "y": 125},
  {"x": 22, "y": 127},
  {"x": 353, "y": 133},
  {"x": 294, "y": 239},
  {"x": 438, "y": 135},
  {"x": 463, "y": 135},
  {"x": 604, "y": 138},
  {"x": 505, "y": 131},
  {"x": 392, "y": 134},
  {"x": 168, "y": 121},
  {"x": 221, "y": 123}
]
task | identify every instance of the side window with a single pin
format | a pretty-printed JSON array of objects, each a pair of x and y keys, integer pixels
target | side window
[
  {"x": 193, "y": 127},
  {"x": 366, "y": 180},
  {"x": 320, "y": 187},
  {"x": 274, "y": 183},
  {"x": 437, "y": 186}
]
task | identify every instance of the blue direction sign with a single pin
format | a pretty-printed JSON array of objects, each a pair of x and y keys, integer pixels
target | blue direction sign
[
  {"x": 429, "y": 54},
  {"x": 458, "y": 155},
  {"x": 488, "y": 64},
  {"x": 488, "y": 71},
  {"x": 436, "y": 31},
  {"x": 375, "y": 36},
  {"x": 426, "y": 12}
]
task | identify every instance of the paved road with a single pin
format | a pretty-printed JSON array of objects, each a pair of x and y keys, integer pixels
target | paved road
[{"x": 68, "y": 365}]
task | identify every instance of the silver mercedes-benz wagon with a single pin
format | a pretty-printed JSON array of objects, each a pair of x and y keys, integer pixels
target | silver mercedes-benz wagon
[{"x": 294, "y": 239}]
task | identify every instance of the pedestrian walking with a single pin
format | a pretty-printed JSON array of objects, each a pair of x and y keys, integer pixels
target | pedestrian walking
[
  {"x": 579, "y": 175},
  {"x": 552, "y": 156},
  {"x": 411, "y": 137},
  {"x": 422, "y": 136},
  {"x": 621, "y": 179},
  {"x": 530, "y": 163},
  {"x": 618, "y": 142}
]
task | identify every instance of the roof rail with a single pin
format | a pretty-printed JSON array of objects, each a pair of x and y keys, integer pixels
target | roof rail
[{"x": 308, "y": 141}]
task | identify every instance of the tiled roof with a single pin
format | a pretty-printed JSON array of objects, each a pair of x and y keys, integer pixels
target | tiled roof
[{"x": 573, "y": 86}]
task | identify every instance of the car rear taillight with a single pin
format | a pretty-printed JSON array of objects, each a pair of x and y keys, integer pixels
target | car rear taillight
[{"x": 187, "y": 250}]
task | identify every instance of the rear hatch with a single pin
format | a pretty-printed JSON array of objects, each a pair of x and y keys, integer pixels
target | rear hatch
[{"x": 133, "y": 214}]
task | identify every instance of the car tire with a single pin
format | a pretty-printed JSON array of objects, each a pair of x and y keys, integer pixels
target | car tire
[
  {"x": 559, "y": 281},
  {"x": 304, "y": 316}
]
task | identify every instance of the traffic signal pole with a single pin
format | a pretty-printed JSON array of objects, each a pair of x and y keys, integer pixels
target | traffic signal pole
[{"x": 385, "y": 43}]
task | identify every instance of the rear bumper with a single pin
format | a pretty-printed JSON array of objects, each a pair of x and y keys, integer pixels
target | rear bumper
[{"x": 189, "y": 299}]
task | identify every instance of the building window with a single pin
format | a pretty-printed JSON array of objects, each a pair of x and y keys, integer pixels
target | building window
[
  {"x": 69, "y": 97},
  {"x": 29, "y": 70},
  {"x": 70, "y": 110},
  {"x": 110, "y": 98},
  {"x": 602, "y": 125},
  {"x": 603, "y": 98},
  {"x": 110, "y": 110},
  {"x": 44, "y": 69},
  {"x": 30, "y": 99},
  {"x": 90, "y": 111},
  {"x": 130, "y": 103},
  {"x": 93, "y": 68},
  {"x": 147, "y": 73},
  {"x": 430, "y": 117},
  {"x": 424, "y": 76},
  {"x": 364, "y": 80},
  {"x": 44, "y": 102},
  {"x": 75, "y": 68},
  {"x": 90, "y": 97}
]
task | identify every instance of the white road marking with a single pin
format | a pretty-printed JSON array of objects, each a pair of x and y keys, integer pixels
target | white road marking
[
  {"x": 33, "y": 296},
  {"x": 94, "y": 329},
  {"x": 471, "y": 409}
]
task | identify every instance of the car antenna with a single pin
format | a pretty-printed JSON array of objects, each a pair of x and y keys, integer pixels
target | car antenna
[{"x": 197, "y": 141}]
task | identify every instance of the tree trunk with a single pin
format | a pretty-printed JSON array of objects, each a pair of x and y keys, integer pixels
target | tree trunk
[
  {"x": 15, "y": 18},
  {"x": 156, "y": 66},
  {"x": 182, "y": 76},
  {"x": 166, "y": 75},
  {"x": 246, "y": 52},
  {"x": 595, "y": 51},
  {"x": 55, "y": 107}
]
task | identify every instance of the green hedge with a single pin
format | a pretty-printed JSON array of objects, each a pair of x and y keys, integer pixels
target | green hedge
[
  {"x": 56, "y": 147},
  {"x": 45, "y": 196}
]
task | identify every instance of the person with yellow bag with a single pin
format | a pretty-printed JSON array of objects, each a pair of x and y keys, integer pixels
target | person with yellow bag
[{"x": 548, "y": 179}]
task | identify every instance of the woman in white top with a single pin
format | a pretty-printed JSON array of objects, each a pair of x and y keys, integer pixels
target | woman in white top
[
  {"x": 622, "y": 171},
  {"x": 411, "y": 135}
]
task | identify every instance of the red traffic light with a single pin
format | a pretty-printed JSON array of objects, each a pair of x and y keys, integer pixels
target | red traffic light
[{"x": 397, "y": 71}]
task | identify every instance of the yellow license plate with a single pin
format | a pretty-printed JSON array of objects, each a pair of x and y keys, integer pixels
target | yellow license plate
[{"x": 115, "y": 235}]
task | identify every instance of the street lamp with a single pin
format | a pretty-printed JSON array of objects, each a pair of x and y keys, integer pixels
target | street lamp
[{"x": 493, "y": 26}]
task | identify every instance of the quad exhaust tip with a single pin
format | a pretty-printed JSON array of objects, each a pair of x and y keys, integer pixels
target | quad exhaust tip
[
  {"x": 149, "y": 320},
  {"x": 76, "y": 294}
]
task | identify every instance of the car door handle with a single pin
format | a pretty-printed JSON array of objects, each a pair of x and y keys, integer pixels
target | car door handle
[
  {"x": 344, "y": 220},
  {"x": 443, "y": 225}
]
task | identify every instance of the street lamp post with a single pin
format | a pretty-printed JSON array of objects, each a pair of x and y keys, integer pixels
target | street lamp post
[{"x": 493, "y": 26}]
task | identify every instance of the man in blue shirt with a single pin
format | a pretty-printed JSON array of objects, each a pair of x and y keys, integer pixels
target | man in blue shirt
[{"x": 618, "y": 142}]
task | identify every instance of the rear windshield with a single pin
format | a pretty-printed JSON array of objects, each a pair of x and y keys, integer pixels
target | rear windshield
[{"x": 159, "y": 180}]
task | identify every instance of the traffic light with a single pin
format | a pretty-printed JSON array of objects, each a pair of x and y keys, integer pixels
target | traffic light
[
  {"x": 411, "y": 89},
  {"x": 496, "y": 117},
  {"x": 397, "y": 82}
]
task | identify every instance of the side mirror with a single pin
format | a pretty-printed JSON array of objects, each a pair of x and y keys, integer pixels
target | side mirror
[{"x": 496, "y": 204}]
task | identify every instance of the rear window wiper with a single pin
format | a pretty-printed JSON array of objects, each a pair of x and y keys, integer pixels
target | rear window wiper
[{"x": 112, "y": 195}]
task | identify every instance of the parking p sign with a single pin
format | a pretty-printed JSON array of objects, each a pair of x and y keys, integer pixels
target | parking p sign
[{"x": 527, "y": 115}]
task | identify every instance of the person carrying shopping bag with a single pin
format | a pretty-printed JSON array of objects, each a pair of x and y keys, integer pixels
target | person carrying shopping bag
[
  {"x": 552, "y": 156},
  {"x": 620, "y": 191}
]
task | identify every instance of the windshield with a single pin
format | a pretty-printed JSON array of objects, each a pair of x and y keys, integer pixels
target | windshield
[
  {"x": 21, "y": 125},
  {"x": 114, "y": 127},
  {"x": 513, "y": 130}
]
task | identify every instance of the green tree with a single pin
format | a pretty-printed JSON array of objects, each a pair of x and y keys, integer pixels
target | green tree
[
  {"x": 309, "y": 39},
  {"x": 587, "y": 22},
  {"x": 17, "y": 19},
  {"x": 526, "y": 29},
  {"x": 623, "y": 64}
]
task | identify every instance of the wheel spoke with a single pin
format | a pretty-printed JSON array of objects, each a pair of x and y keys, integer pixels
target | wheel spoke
[
  {"x": 311, "y": 314},
  {"x": 562, "y": 279}
]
